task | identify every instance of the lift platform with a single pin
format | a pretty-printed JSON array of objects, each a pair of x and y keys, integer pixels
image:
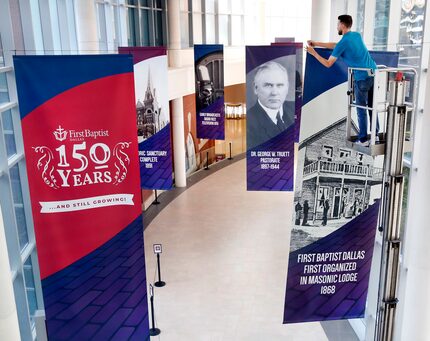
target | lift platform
[{"x": 390, "y": 84}]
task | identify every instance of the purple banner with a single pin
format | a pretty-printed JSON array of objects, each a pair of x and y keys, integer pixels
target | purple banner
[
  {"x": 270, "y": 102},
  {"x": 336, "y": 203},
  {"x": 152, "y": 116},
  {"x": 209, "y": 73}
]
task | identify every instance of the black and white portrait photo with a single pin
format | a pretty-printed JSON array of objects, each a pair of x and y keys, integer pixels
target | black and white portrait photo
[{"x": 271, "y": 105}]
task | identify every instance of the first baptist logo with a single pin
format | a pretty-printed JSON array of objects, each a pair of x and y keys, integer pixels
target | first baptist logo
[
  {"x": 82, "y": 163},
  {"x": 60, "y": 134}
]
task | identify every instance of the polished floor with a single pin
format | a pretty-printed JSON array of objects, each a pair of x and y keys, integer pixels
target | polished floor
[{"x": 225, "y": 255}]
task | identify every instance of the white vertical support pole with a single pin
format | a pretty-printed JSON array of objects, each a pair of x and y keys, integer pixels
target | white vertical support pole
[
  {"x": 179, "y": 142},
  {"x": 9, "y": 328},
  {"x": 416, "y": 300},
  {"x": 321, "y": 21},
  {"x": 86, "y": 26},
  {"x": 173, "y": 12}
]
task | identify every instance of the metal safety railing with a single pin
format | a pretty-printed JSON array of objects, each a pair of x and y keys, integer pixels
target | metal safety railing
[{"x": 382, "y": 77}]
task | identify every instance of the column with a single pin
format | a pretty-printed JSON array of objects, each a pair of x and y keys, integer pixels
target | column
[
  {"x": 320, "y": 20},
  {"x": 9, "y": 328},
  {"x": 173, "y": 11},
  {"x": 178, "y": 142},
  {"x": 415, "y": 303},
  {"x": 86, "y": 26}
]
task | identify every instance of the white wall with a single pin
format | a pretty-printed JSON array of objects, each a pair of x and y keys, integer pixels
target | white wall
[{"x": 9, "y": 329}]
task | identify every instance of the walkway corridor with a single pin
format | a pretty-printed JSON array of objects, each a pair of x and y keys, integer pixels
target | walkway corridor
[{"x": 225, "y": 255}]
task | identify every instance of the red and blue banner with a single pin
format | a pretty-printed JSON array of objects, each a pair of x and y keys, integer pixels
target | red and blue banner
[
  {"x": 209, "y": 81},
  {"x": 270, "y": 103},
  {"x": 79, "y": 129},
  {"x": 336, "y": 203},
  {"x": 152, "y": 116}
]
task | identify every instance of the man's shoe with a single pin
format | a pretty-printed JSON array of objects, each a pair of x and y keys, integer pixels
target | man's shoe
[{"x": 363, "y": 144}]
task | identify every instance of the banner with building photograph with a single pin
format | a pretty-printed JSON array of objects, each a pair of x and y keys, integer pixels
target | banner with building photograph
[
  {"x": 299, "y": 81},
  {"x": 270, "y": 102},
  {"x": 209, "y": 75},
  {"x": 152, "y": 116},
  {"x": 336, "y": 203},
  {"x": 79, "y": 130}
]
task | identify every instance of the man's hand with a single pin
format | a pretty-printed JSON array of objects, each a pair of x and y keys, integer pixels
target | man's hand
[
  {"x": 311, "y": 50},
  {"x": 311, "y": 43}
]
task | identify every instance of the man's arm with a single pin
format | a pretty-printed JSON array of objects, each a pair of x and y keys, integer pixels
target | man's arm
[
  {"x": 326, "y": 62},
  {"x": 314, "y": 43}
]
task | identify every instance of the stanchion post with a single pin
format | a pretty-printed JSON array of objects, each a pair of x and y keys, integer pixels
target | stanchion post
[
  {"x": 230, "y": 158},
  {"x": 156, "y": 202},
  {"x": 152, "y": 331},
  {"x": 207, "y": 161},
  {"x": 157, "y": 250}
]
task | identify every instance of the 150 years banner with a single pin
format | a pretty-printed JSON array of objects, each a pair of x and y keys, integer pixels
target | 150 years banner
[
  {"x": 336, "y": 203},
  {"x": 270, "y": 103},
  {"x": 152, "y": 116},
  {"x": 79, "y": 129},
  {"x": 209, "y": 73}
]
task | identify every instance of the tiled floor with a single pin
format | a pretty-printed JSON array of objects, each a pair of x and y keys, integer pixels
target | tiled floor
[{"x": 225, "y": 255}]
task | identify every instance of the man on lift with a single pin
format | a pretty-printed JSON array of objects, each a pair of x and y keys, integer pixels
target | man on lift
[{"x": 355, "y": 54}]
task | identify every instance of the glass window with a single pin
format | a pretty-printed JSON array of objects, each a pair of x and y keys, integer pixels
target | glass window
[
  {"x": 197, "y": 5},
  {"x": 185, "y": 34},
  {"x": 236, "y": 30},
  {"x": 116, "y": 25},
  {"x": 411, "y": 32},
  {"x": 144, "y": 24},
  {"x": 1, "y": 54},
  {"x": 132, "y": 2},
  {"x": 184, "y": 5},
  {"x": 131, "y": 28},
  {"x": 102, "y": 26},
  {"x": 224, "y": 6},
  {"x": 158, "y": 4},
  {"x": 37, "y": 26},
  {"x": 19, "y": 206},
  {"x": 4, "y": 94},
  {"x": 237, "y": 7},
  {"x": 30, "y": 288},
  {"x": 380, "y": 33},
  {"x": 210, "y": 29},
  {"x": 223, "y": 22},
  {"x": 158, "y": 27},
  {"x": 360, "y": 16},
  {"x": 197, "y": 28},
  {"x": 8, "y": 132},
  {"x": 210, "y": 6}
]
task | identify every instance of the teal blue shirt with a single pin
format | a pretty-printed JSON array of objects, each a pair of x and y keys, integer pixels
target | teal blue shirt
[{"x": 354, "y": 53}]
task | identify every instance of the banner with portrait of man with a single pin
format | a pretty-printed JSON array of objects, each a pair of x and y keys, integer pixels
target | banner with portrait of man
[
  {"x": 299, "y": 80},
  {"x": 270, "y": 103}
]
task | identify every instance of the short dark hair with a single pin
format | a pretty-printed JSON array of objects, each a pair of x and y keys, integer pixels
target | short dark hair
[{"x": 346, "y": 20}]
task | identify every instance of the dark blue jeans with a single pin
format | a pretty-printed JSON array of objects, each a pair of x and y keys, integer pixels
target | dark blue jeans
[{"x": 364, "y": 96}]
